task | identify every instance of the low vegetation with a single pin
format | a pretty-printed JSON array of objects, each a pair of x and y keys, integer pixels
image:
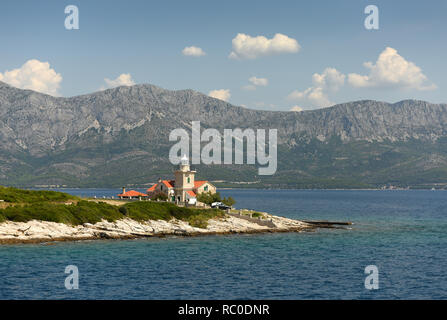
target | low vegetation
[
  {"x": 74, "y": 214},
  {"x": 83, "y": 211},
  {"x": 251, "y": 213},
  {"x": 148, "y": 210},
  {"x": 209, "y": 198},
  {"x": 257, "y": 215},
  {"x": 15, "y": 195}
]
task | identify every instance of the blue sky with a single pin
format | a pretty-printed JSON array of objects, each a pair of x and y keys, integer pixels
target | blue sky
[{"x": 144, "y": 40}]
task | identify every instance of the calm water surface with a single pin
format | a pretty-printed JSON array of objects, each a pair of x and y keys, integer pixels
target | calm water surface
[{"x": 403, "y": 233}]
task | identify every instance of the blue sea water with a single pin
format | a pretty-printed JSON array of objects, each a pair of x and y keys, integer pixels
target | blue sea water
[{"x": 403, "y": 233}]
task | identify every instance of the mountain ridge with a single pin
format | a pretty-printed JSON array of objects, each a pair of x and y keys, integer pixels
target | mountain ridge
[{"x": 75, "y": 140}]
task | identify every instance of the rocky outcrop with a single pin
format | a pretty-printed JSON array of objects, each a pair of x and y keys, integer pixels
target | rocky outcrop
[{"x": 44, "y": 231}]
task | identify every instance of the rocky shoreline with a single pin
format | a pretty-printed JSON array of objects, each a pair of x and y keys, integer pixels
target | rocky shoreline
[{"x": 44, "y": 231}]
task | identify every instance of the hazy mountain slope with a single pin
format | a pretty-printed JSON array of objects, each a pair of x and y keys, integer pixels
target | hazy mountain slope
[{"x": 120, "y": 136}]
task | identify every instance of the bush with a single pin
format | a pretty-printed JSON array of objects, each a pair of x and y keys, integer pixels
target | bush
[
  {"x": 229, "y": 202},
  {"x": 123, "y": 210},
  {"x": 209, "y": 198},
  {"x": 145, "y": 210},
  {"x": 257, "y": 215},
  {"x": 74, "y": 214}
]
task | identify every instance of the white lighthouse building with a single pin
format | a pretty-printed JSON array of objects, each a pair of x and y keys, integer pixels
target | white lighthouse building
[{"x": 184, "y": 188}]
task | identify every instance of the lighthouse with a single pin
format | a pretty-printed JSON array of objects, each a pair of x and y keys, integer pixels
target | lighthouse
[{"x": 184, "y": 179}]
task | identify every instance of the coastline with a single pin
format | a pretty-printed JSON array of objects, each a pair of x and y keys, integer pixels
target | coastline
[{"x": 36, "y": 231}]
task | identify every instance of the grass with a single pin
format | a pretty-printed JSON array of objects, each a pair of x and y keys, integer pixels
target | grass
[
  {"x": 40, "y": 205},
  {"x": 15, "y": 195}
]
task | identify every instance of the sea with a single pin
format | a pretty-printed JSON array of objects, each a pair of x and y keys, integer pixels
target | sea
[{"x": 395, "y": 249}]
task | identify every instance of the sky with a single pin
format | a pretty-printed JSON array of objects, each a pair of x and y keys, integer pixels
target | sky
[{"x": 268, "y": 55}]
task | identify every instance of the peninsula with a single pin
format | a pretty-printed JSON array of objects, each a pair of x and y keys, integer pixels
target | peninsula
[{"x": 40, "y": 216}]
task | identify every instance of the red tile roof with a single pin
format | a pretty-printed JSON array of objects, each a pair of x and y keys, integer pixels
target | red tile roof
[
  {"x": 199, "y": 183},
  {"x": 151, "y": 189},
  {"x": 132, "y": 193},
  {"x": 169, "y": 183},
  {"x": 191, "y": 193}
]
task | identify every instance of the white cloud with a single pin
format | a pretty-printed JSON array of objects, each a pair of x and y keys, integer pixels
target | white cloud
[
  {"x": 124, "y": 79},
  {"x": 331, "y": 80},
  {"x": 255, "y": 82},
  {"x": 222, "y": 94},
  {"x": 316, "y": 97},
  {"x": 391, "y": 70},
  {"x": 248, "y": 47},
  {"x": 296, "y": 109},
  {"x": 34, "y": 75},
  {"x": 193, "y": 51},
  {"x": 259, "y": 81}
]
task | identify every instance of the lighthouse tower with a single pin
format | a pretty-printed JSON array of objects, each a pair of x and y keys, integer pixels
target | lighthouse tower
[
  {"x": 184, "y": 163},
  {"x": 184, "y": 179}
]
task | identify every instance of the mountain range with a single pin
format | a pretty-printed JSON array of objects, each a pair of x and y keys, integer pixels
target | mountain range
[{"x": 119, "y": 137}]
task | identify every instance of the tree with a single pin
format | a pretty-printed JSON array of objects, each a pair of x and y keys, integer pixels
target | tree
[
  {"x": 209, "y": 198},
  {"x": 229, "y": 201}
]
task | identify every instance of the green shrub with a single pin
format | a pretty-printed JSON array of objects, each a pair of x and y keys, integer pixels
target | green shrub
[
  {"x": 209, "y": 198},
  {"x": 92, "y": 212},
  {"x": 123, "y": 210},
  {"x": 74, "y": 214},
  {"x": 229, "y": 201},
  {"x": 257, "y": 215},
  {"x": 148, "y": 210}
]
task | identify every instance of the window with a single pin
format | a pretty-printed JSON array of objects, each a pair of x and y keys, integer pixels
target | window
[
  {"x": 189, "y": 180},
  {"x": 205, "y": 188}
]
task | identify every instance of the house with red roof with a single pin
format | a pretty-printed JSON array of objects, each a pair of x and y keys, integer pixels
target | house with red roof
[
  {"x": 184, "y": 187},
  {"x": 131, "y": 194}
]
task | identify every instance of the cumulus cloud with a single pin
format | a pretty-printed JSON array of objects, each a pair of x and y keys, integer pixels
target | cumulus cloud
[
  {"x": 222, "y": 94},
  {"x": 124, "y": 79},
  {"x": 391, "y": 70},
  {"x": 296, "y": 109},
  {"x": 256, "y": 82},
  {"x": 259, "y": 81},
  {"x": 34, "y": 75},
  {"x": 331, "y": 80},
  {"x": 248, "y": 47},
  {"x": 316, "y": 97},
  {"x": 193, "y": 51}
]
